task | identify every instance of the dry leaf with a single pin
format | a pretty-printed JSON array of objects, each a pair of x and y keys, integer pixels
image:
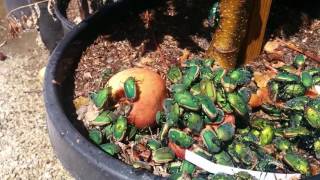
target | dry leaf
[
  {"x": 261, "y": 97},
  {"x": 271, "y": 47},
  {"x": 185, "y": 55},
  {"x": 81, "y": 101},
  {"x": 92, "y": 113},
  {"x": 263, "y": 79}
]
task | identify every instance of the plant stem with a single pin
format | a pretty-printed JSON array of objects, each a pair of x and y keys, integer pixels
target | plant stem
[{"x": 230, "y": 33}]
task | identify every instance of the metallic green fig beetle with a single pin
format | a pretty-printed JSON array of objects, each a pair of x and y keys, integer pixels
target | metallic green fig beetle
[
  {"x": 292, "y": 90},
  {"x": 245, "y": 93},
  {"x": 225, "y": 131},
  {"x": 297, "y": 104},
  {"x": 130, "y": 88},
  {"x": 195, "y": 89},
  {"x": 314, "y": 71},
  {"x": 108, "y": 131},
  {"x": 193, "y": 62},
  {"x": 207, "y": 89},
  {"x": 246, "y": 155},
  {"x": 218, "y": 75},
  {"x": 120, "y": 128},
  {"x": 222, "y": 101},
  {"x": 186, "y": 100},
  {"x": 194, "y": 121},
  {"x": 292, "y": 132},
  {"x": 132, "y": 131},
  {"x": 153, "y": 144},
  {"x": 286, "y": 77},
  {"x": 238, "y": 104},
  {"x": 242, "y": 175},
  {"x": 179, "y": 176},
  {"x": 172, "y": 117},
  {"x": 208, "y": 107},
  {"x": 220, "y": 116},
  {"x": 104, "y": 118},
  {"x": 282, "y": 144},
  {"x": 266, "y": 135},
  {"x": 101, "y": 97},
  {"x": 274, "y": 89},
  {"x": 240, "y": 76},
  {"x": 187, "y": 167},
  {"x": 306, "y": 79},
  {"x": 260, "y": 123},
  {"x": 174, "y": 167},
  {"x": 210, "y": 140},
  {"x": 180, "y": 138},
  {"x": 299, "y": 61},
  {"x": 208, "y": 62},
  {"x": 206, "y": 73},
  {"x": 228, "y": 84},
  {"x": 312, "y": 113},
  {"x": 201, "y": 152},
  {"x": 96, "y": 136},
  {"x": 271, "y": 110},
  {"x": 316, "y": 80},
  {"x": 163, "y": 155},
  {"x": 298, "y": 163},
  {"x": 223, "y": 158},
  {"x": 176, "y": 88},
  {"x": 110, "y": 148},
  {"x": 191, "y": 74},
  {"x": 174, "y": 74},
  {"x": 220, "y": 176}
]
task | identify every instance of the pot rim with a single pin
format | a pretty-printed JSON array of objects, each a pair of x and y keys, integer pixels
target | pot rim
[{"x": 58, "y": 11}]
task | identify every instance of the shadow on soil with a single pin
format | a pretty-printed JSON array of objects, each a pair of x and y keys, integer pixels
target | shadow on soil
[
  {"x": 179, "y": 18},
  {"x": 184, "y": 19},
  {"x": 288, "y": 16}
]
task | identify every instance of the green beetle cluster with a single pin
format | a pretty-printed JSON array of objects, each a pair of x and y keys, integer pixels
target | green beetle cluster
[
  {"x": 111, "y": 125},
  {"x": 291, "y": 123},
  {"x": 202, "y": 95},
  {"x": 279, "y": 136}
]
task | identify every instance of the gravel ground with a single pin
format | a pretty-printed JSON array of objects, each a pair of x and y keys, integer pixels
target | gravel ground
[{"x": 26, "y": 152}]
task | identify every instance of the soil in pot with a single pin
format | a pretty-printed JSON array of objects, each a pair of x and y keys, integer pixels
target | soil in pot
[{"x": 273, "y": 131}]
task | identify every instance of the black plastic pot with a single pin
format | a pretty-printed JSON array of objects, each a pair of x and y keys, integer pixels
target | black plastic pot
[
  {"x": 68, "y": 137},
  {"x": 60, "y": 9}
]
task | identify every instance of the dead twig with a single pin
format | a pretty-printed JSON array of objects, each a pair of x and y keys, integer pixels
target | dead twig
[
  {"x": 3, "y": 43},
  {"x": 307, "y": 53}
]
